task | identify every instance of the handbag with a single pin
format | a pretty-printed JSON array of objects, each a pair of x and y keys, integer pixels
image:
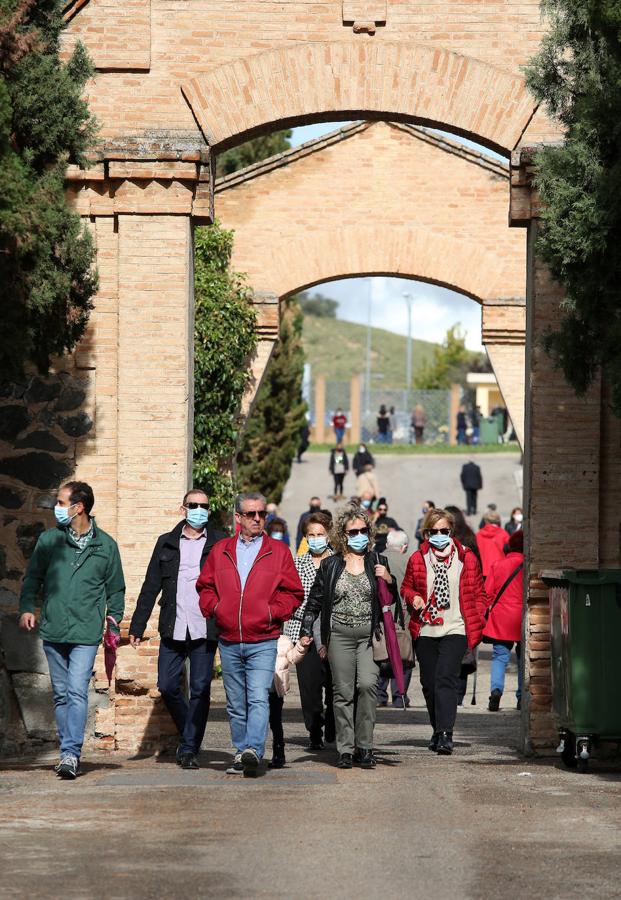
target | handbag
[{"x": 468, "y": 663}]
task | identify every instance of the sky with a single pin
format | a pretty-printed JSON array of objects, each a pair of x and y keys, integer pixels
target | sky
[{"x": 434, "y": 309}]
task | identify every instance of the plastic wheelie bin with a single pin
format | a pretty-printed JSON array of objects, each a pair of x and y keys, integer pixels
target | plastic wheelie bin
[
  {"x": 585, "y": 620},
  {"x": 490, "y": 429}
]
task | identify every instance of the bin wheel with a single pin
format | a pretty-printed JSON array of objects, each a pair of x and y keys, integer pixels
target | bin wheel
[
  {"x": 569, "y": 751},
  {"x": 583, "y": 766}
]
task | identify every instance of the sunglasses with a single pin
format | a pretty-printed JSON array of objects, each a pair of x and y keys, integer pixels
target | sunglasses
[
  {"x": 193, "y": 505},
  {"x": 355, "y": 531},
  {"x": 257, "y": 513},
  {"x": 382, "y": 509},
  {"x": 438, "y": 530}
]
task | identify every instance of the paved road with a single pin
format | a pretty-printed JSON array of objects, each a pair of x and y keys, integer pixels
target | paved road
[
  {"x": 481, "y": 824},
  {"x": 408, "y": 480}
]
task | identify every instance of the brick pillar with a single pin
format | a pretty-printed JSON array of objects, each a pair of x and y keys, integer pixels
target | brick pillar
[
  {"x": 454, "y": 404},
  {"x": 354, "y": 409},
  {"x": 320, "y": 409}
]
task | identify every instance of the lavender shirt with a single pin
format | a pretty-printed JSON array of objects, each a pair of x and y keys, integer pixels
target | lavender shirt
[
  {"x": 246, "y": 553},
  {"x": 189, "y": 617}
]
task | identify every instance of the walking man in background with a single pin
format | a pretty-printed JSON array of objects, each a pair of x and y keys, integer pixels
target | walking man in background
[
  {"x": 175, "y": 565},
  {"x": 250, "y": 586},
  {"x": 78, "y": 566},
  {"x": 472, "y": 482}
]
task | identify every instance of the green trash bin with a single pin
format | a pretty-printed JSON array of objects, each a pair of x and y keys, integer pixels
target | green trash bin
[
  {"x": 490, "y": 429},
  {"x": 585, "y": 621}
]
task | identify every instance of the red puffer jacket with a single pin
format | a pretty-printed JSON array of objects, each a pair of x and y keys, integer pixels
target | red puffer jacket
[
  {"x": 505, "y": 620},
  {"x": 491, "y": 541},
  {"x": 272, "y": 593},
  {"x": 472, "y": 597}
]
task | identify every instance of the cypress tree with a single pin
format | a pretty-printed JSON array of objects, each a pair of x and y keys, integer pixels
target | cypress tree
[{"x": 47, "y": 279}]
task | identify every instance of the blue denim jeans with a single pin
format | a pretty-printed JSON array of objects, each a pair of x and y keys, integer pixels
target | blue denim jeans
[
  {"x": 71, "y": 669},
  {"x": 339, "y": 433},
  {"x": 248, "y": 673},
  {"x": 501, "y": 654},
  {"x": 190, "y": 717}
]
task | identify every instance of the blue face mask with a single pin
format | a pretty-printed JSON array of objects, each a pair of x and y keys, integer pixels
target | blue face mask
[
  {"x": 317, "y": 544},
  {"x": 440, "y": 541},
  {"x": 366, "y": 503},
  {"x": 197, "y": 518},
  {"x": 62, "y": 514},
  {"x": 358, "y": 543},
  {"x": 277, "y": 535}
]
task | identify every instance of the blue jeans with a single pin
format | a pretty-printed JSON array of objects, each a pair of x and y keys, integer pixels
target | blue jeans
[
  {"x": 71, "y": 669},
  {"x": 338, "y": 434},
  {"x": 248, "y": 673},
  {"x": 383, "y": 438},
  {"x": 501, "y": 654},
  {"x": 189, "y": 717}
]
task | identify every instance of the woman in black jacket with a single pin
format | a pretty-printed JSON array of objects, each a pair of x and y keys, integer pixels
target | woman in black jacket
[
  {"x": 345, "y": 593},
  {"x": 339, "y": 467},
  {"x": 362, "y": 459}
]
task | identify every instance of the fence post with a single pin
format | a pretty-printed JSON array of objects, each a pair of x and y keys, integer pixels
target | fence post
[
  {"x": 454, "y": 404},
  {"x": 320, "y": 409},
  {"x": 354, "y": 406}
]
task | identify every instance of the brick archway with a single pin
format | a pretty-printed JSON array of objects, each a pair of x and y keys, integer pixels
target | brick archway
[{"x": 344, "y": 79}]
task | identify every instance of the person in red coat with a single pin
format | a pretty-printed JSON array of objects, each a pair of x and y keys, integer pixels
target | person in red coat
[
  {"x": 491, "y": 541},
  {"x": 504, "y": 625},
  {"x": 444, "y": 591},
  {"x": 250, "y": 586}
]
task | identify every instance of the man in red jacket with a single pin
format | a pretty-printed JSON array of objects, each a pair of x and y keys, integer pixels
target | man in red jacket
[{"x": 250, "y": 586}]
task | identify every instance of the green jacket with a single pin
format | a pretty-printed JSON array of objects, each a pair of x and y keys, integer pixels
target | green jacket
[{"x": 78, "y": 590}]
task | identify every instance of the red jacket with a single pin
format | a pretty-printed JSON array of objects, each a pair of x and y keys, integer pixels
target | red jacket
[
  {"x": 505, "y": 620},
  {"x": 472, "y": 597},
  {"x": 272, "y": 593},
  {"x": 491, "y": 541}
]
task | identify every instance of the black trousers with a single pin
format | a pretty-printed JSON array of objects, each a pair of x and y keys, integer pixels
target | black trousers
[
  {"x": 471, "y": 502},
  {"x": 314, "y": 677},
  {"x": 276, "y": 705},
  {"x": 338, "y": 483},
  {"x": 440, "y": 667}
]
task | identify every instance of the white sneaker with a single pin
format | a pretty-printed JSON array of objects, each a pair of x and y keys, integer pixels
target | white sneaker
[
  {"x": 237, "y": 767},
  {"x": 250, "y": 762}
]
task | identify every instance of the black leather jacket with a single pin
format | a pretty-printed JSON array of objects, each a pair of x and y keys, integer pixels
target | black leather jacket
[
  {"x": 321, "y": 597},
  {"x": 161, "y": 576}
]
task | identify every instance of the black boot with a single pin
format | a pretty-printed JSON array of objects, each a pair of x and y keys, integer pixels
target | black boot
[
  {"x": 365, "y": 759},
  {"x": 433, "y": 743},
  {"x": 278, "y": 757},
  {"x": 344, "y": 761},
  {"x": 494, "y": 700},
  {"x": 445, "y": 743}
]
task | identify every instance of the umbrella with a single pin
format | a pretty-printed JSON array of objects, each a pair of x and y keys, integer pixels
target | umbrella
[
  {"x": 390, "y": 635},
  {"x": 112, "y": 639}
]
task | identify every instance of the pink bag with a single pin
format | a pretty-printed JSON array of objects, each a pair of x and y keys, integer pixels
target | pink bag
[{"x": 111, "y": 640}]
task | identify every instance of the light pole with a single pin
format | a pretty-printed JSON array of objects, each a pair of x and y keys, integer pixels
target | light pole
[
  {"x": 408, "y": 359},
  {"x": 368, "y": 361}
]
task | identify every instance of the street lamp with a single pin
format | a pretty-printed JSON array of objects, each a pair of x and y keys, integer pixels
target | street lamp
[
  {"x": 367, "y": 404},
  {"x": 408, "y": 360}
]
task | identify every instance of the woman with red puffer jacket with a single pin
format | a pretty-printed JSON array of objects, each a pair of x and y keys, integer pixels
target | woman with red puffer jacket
[
  {"x": 491, "y": 541},
  {"x": 444, "y": 591}
]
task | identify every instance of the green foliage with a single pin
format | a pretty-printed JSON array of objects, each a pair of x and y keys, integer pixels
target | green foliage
[
  {"x": 224, "y": 339},
  {"x": 47, "y": 279},
  {"x": 450, "y": 363},
  {"x": 252, "y": 152},
  {"x": 319, "y": 306},
  {"x": 273, "y": 433},
  {"x": 577, "y": 75}
]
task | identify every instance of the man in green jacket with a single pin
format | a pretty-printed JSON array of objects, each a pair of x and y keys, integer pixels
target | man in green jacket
[{"x": 77, "y": 568}]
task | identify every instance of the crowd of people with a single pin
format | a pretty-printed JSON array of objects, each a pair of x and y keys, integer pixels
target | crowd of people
[{"x": 265, "y": 604}]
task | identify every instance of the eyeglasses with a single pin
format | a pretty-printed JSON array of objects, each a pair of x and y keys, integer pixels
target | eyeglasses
[
  {"x": 439, "y": 530},
  {"x": 256, "y": 513},
  {"x": 355, "y": 531},
  {"x": 193, "y": 505}
]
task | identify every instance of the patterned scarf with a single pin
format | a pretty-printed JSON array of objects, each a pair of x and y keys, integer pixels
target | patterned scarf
[{"x": 440, "y": 598}]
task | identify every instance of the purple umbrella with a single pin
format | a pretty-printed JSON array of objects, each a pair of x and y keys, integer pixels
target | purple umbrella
[
  {"x": 112, "y": 639},
  {"x": 390, "y": 635}
]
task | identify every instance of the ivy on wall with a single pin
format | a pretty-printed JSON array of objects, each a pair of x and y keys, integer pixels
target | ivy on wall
[{"x": 224, "y": 340}]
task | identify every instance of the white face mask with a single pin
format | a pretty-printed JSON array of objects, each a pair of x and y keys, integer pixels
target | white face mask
[{"x": 519, "y": 517}]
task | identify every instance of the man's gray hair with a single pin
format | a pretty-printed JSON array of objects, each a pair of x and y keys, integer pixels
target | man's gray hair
[
  {"x": 249, "y": 495},
  {"x": 396, "y": 540}
]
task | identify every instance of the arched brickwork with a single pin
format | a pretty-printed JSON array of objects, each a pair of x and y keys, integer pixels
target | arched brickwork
[{"x": 343, "y": 80}]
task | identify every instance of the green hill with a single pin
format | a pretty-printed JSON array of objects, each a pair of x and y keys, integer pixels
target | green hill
[{"x": 337, "y": 349}]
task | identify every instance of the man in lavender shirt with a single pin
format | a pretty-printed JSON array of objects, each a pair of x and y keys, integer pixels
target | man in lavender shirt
[{"x": 184, "y": 632}]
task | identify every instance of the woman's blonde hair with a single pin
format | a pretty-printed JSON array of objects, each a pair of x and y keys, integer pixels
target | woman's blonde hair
[
  {"x": 338, "y": 538},
  {"x": 434, "y": 515}
]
